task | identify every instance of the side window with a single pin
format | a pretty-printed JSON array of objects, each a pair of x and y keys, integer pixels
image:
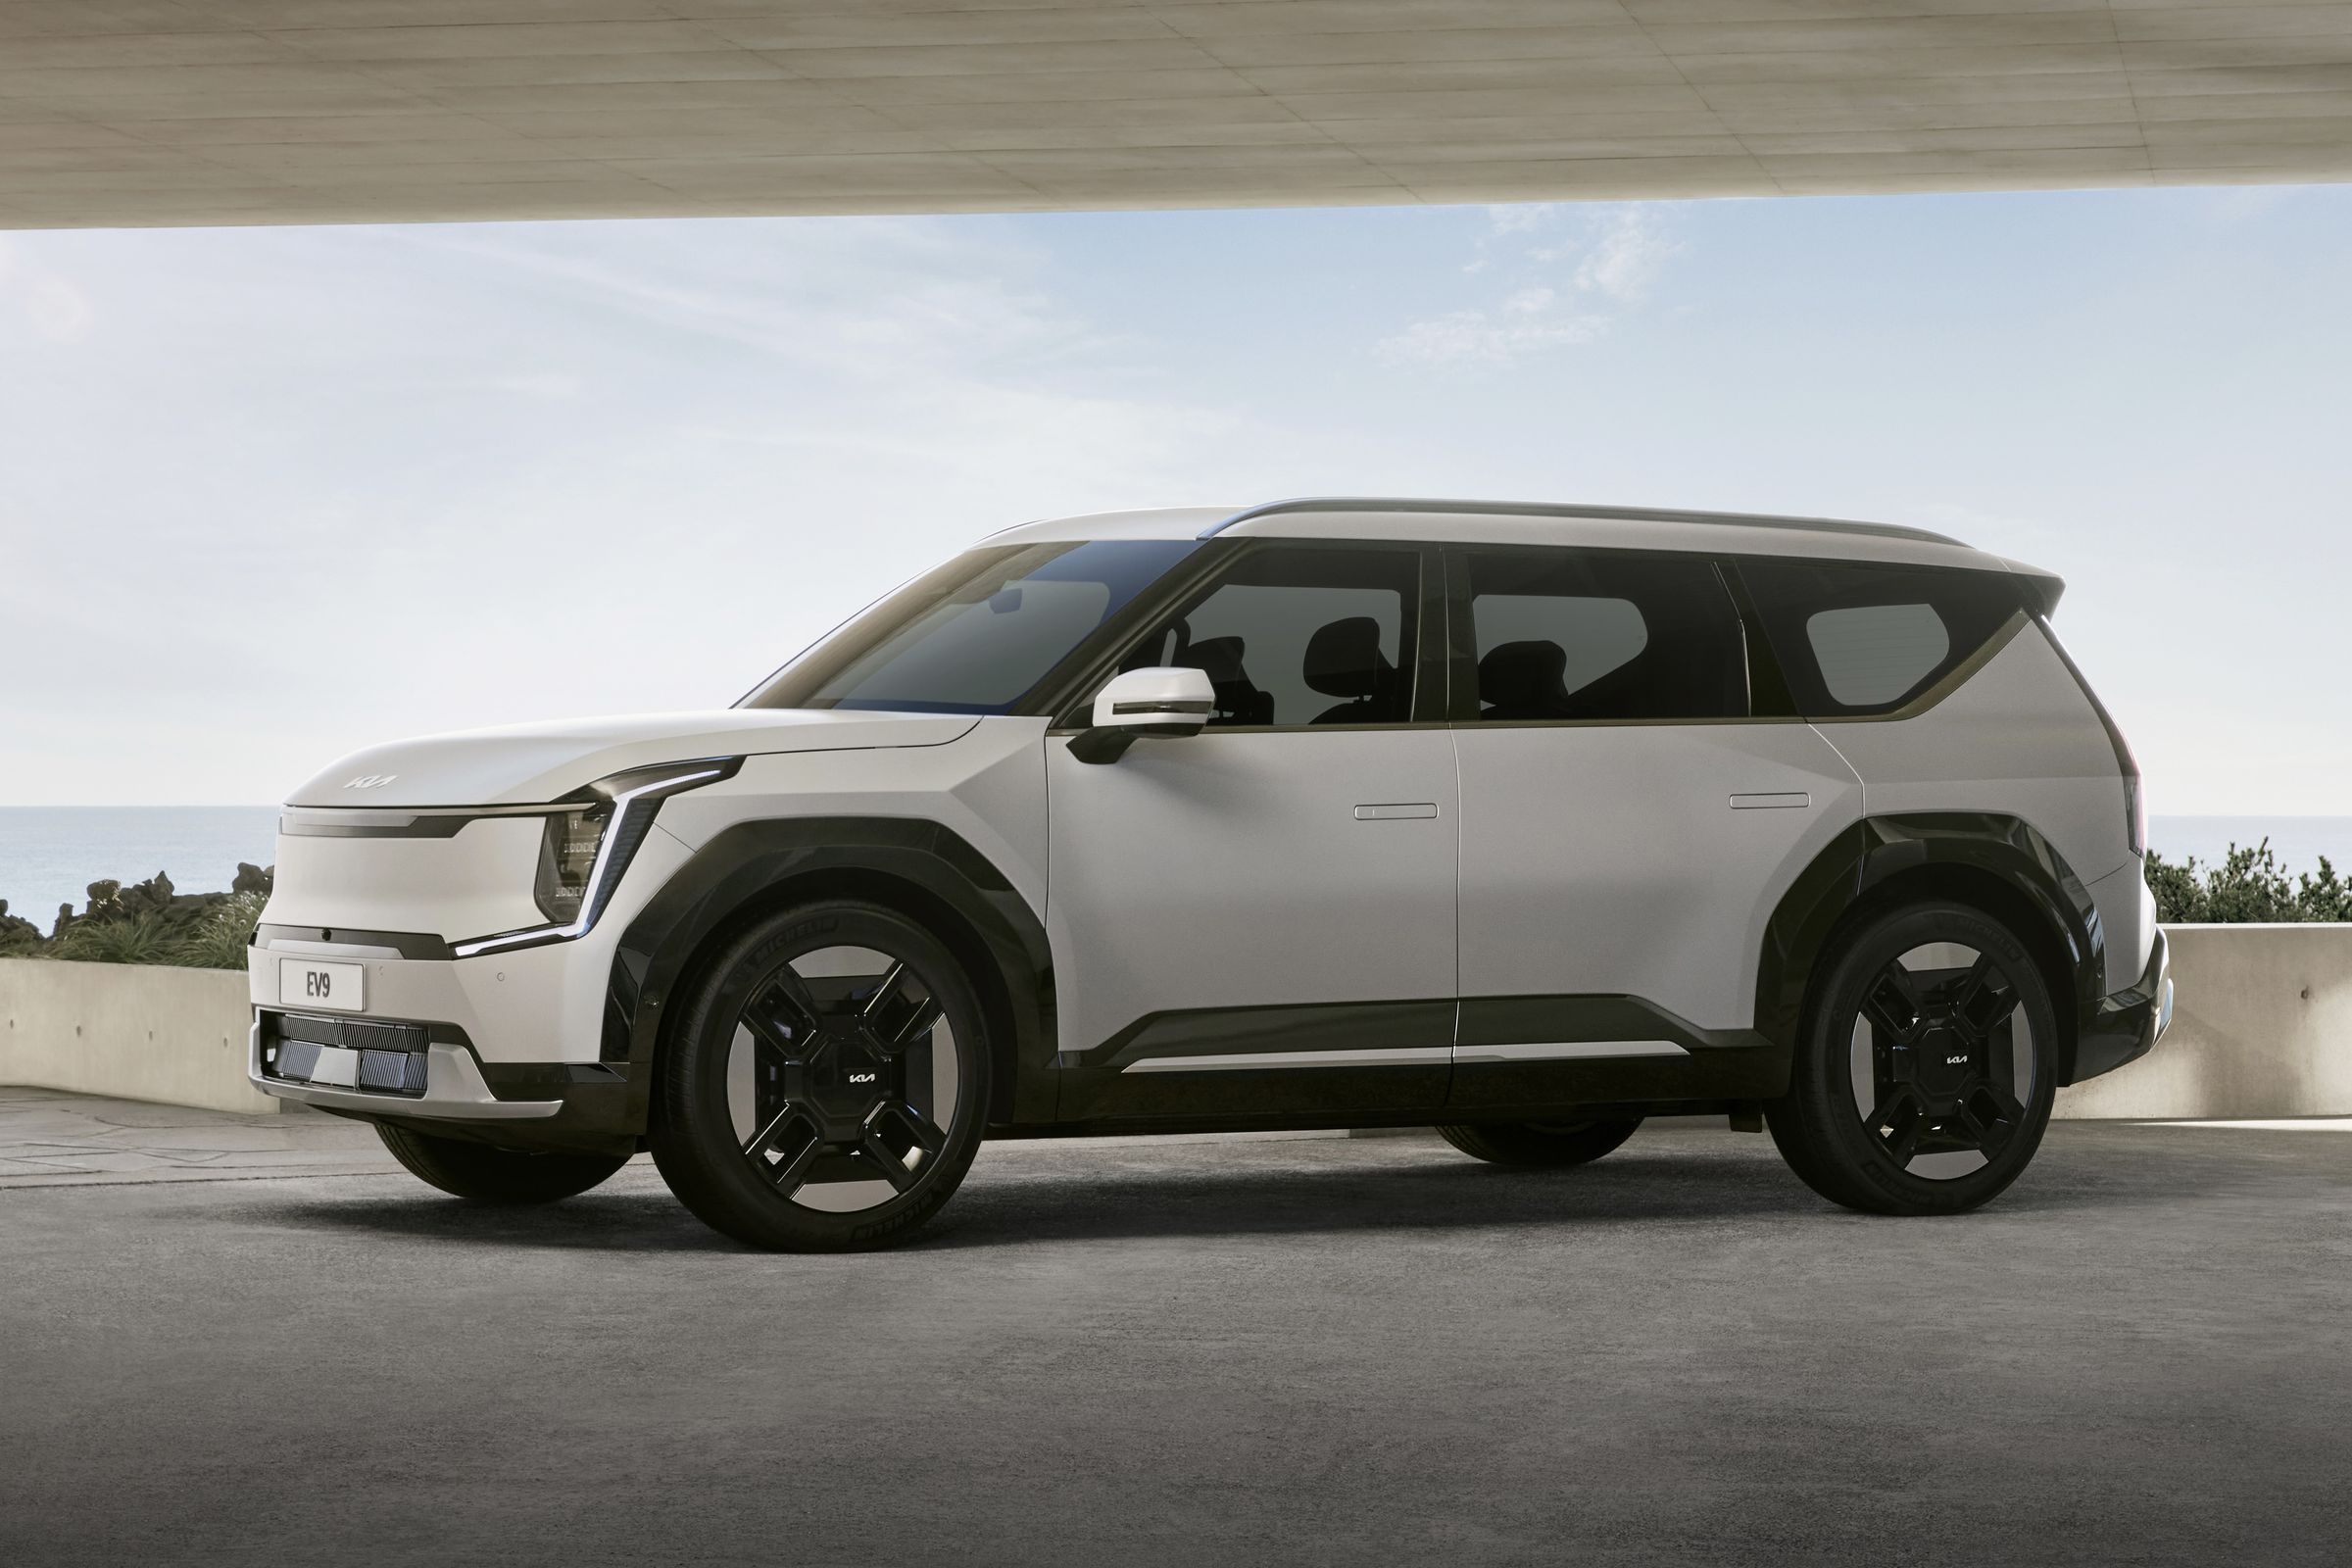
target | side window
[
  {"x": 1589, "y": 635},
  {"x": 1293, "y": 635},
  {"x": 1856, "y": 640}
]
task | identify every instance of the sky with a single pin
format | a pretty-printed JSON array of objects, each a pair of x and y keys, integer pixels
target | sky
[{"x": 270, "y": 495}]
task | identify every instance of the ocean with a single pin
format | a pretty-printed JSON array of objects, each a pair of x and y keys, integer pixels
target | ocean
[{"x": 50, "y": 854}]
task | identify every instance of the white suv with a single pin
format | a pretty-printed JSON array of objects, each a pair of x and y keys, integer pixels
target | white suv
[{"x": 1522, "y": 822}]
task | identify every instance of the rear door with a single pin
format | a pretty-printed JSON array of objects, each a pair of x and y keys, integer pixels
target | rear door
[
  {"x": 1259, "y": 919},
  {"x": 1627, "y": 827}
]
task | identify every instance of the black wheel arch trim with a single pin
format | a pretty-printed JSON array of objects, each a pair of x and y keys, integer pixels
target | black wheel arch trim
[
  {"x": 757, "y": 865},
  {"x": 1881, "y": 857}
]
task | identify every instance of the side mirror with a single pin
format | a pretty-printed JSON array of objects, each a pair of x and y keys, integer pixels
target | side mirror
[{"x": 1144, "y": 702}]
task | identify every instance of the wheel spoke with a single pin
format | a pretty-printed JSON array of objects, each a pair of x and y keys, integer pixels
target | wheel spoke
[
  {"x": 782, "y": 1015},
  {"x": 1994, "y": 1112},
  {"x": 884, "y": 988},
  {"x": 1984, "y": 999},
  {"x": 1891, "y": 1004},
  {"x": 787, "y": 1173},
  {"x": 1904, "y": 1119},
  {"x": 926, "y": 1134},
  {"x": 916, "y": 1025},
  {"x": 894, "y": 1166}
]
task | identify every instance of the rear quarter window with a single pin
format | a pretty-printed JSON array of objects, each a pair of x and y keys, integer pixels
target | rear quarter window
[{"x": 1856, "y": 640}]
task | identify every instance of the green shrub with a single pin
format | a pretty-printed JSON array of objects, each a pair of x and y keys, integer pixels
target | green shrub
[
  {"x": 148, "y": 923},
  {"x": 2249, "y": 886},
  {"x": 135, "y": 938},
  {"x": 222, "y": 936}
]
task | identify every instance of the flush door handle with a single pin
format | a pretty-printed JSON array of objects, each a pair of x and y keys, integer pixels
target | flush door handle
[
  {"x": 1773, "y": 800},
  {"x": 1395, "y": 811}
]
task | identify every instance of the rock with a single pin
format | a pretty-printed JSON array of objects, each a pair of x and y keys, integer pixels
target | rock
[
  {"x": 16, "y": 936},
  {"x": 254, "y": 880}
]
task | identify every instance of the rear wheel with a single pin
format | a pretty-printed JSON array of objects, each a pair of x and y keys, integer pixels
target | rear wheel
[
  {"x": 1923, "y": 1081},
  {"x": 825, "y": 1089},
  {"x": 484, "y": 1174},
  {"x": 1540, "y": 1142}
]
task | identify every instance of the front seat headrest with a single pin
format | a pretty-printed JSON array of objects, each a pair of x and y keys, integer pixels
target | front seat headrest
[
  {"x": 1219, "y": 656},
  {"x": 1343, "y": 658}
]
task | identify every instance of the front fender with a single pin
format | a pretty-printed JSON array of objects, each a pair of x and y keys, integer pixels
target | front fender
[{"x": 751, "y": 867}]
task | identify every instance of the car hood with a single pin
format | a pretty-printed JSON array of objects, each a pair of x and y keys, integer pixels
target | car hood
[{"x": 529, "y": 764}]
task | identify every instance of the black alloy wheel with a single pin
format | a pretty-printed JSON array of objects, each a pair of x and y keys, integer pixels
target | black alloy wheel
[
  {"x": 1924, "y": 1080},
  {"x": 826, "y": 1087}
]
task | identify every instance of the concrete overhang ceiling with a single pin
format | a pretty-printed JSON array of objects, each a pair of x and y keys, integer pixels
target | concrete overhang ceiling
[{"x": 120, "y": 113}]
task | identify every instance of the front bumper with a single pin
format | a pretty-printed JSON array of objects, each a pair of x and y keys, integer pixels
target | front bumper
[
  {"x": 2127, "y": 1025},
  {"x": 377, "y": 1067},
  {"x": 427, "y": 1075}
]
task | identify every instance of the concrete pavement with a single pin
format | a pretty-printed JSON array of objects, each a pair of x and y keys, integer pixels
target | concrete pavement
[
  {"x": 49, "y": 1137},
  {"x": 1299, "y": 1351}
]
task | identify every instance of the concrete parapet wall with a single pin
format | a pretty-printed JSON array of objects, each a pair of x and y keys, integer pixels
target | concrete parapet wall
[
  {"x": 131, "y": 1031},
  {"x": 2262, "y": 1027}
]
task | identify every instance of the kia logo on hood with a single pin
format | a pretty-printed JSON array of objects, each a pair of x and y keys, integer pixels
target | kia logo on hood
[{"x": 368, "y": 781}]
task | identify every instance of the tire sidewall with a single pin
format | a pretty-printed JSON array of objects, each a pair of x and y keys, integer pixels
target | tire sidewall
[
  {"x": 1822, "y": 1082},
  {"x": 694, "y": 1138}
]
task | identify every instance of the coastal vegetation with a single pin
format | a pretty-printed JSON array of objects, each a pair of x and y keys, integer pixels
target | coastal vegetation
[
  {"x": 147, "y": 922},
  {"x": 2249, "y": 886}
]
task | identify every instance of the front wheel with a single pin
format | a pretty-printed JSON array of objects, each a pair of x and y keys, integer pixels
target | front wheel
[
  {"x": 1540, "y": 1142},
  {"x": 826, "y": 1085},
  {"x": 483, "y": 1174},
  {"x": 1925, "y": 1072}
]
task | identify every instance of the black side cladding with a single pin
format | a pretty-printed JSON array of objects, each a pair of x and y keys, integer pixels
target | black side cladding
[{"x": 1882, "y": 855}]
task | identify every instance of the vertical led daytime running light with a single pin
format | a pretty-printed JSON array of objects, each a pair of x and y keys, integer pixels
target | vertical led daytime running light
[{"x": 633, "y": 809}]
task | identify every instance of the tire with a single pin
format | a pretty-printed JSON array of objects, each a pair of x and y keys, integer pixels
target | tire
[
  {"x": 825, "y": 1088},
  {"x": 1533, "y": 1143},
  {"x": 1937, "y": 1013},
  {"x": 483, "y": 1174}
]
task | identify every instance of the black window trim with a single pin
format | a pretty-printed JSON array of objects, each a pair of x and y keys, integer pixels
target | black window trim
[
  {"x": 1445, "y": 677},
  {"x": 1066, "y": 694}
]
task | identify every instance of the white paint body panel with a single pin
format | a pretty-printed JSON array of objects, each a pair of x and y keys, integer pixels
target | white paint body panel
[
  {"x": 987, "y": 786},
  {"x": 2018, "y": 737},
  {"x": 539, "y": 1004},
  {"x": 1231, "y": 870},
  {"x": 529, "y": 764},
  {"x": 546, "y": 1003},
  {"x": 1609, "y": 858},
  {"x": 474, "y": 883}
]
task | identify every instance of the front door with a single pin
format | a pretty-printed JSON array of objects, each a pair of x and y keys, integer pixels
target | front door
[{"x": 1259, "y": 919}]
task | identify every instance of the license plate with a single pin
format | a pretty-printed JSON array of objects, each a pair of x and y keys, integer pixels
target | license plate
[{"x": 334, "y": 987}]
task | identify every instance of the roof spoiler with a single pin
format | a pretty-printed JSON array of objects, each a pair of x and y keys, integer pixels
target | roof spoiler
[{"x": 2044, "y": 589}]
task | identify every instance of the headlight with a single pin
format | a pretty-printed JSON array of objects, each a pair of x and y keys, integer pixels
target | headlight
[{"x": 588, "y": 844}]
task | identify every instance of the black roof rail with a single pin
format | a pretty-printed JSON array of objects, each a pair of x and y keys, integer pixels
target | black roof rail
[{"x": 1539, "y": 509}]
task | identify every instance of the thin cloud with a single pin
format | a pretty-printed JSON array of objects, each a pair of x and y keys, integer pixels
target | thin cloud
[
  {"x": 46, "y": 301},
  {"x": 1611, "y": 257}
]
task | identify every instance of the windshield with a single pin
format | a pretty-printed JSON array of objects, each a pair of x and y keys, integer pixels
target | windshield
[{"x": 975, "y": 635}]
